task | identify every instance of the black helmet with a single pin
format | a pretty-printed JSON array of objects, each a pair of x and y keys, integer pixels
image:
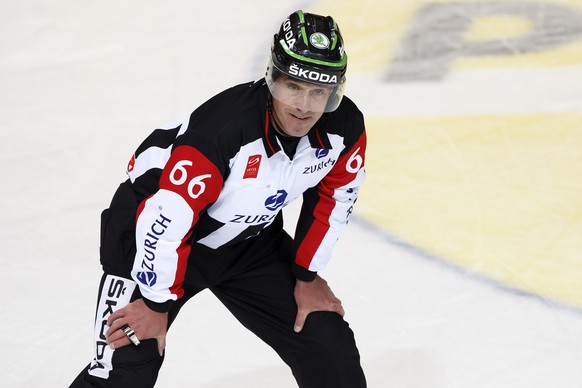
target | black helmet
[{"x": 309, "y": 48}]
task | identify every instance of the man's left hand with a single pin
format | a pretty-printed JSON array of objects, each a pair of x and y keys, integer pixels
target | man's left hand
[{"x": 314, "y": 296}]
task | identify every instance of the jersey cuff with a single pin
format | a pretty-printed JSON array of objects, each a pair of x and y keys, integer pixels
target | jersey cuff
[
  {"x": 159, "y": 307},
  {"x": 302, "y": 273}
]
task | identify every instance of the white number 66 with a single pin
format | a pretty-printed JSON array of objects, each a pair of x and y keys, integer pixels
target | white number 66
[{"x": 179, "y": 175}]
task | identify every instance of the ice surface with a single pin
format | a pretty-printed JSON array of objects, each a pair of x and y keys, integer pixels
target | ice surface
[{"x": 83, "y": 82}]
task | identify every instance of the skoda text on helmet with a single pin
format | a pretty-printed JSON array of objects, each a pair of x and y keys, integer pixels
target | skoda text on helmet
[{"x": 308, "y": 48}]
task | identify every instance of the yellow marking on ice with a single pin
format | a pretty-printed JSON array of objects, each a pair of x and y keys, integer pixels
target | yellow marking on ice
[
  {"x": 498, "y": 195},
  {"x": 489, "y": 28},
  {"x": 374, "y": 30}
]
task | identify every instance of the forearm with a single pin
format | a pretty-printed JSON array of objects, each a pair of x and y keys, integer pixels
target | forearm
[{"x": 162, "y": 229}]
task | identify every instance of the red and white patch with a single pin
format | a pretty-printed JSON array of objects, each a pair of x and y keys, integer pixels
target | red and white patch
[
  {"x": 131, "y": 164},
  {"x": 252, "y": 169}
]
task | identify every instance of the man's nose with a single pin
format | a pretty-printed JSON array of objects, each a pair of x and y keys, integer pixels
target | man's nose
[{"x": 302, "y": 102}]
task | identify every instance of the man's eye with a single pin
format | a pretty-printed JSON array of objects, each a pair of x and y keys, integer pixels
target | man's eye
[
  {"x": 292, "y": 86},
  {"x": 319, "y": 92}
]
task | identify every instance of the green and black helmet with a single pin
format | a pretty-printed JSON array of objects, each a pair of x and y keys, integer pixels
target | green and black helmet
[{"x": 309, "y": 48}]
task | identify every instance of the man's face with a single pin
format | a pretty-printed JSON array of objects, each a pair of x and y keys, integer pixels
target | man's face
[{"x": 298, "y": 105}]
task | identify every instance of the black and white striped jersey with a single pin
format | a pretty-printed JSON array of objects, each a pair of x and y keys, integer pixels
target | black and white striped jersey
[{"x": 220, "y": 176}]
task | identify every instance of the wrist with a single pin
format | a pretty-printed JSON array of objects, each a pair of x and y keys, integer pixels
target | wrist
[
  {"x": 159, "y": 307},
  {"x": 302, "y": 273}
]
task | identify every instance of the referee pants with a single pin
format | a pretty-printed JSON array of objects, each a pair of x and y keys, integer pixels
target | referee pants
[{"x": 257, "y": 287}]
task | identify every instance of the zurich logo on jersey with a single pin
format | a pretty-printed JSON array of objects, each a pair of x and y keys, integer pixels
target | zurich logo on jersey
[
  {"x": 276, "y": 201},
  {"x": 147, "y": 278},
  {"x": 321, "y": 153}
]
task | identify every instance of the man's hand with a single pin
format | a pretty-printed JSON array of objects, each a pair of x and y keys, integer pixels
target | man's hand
[
  {"x": 314, "y": 296},
  {"x": 144, "y": 321}
]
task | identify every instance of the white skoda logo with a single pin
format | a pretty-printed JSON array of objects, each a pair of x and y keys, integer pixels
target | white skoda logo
[{"x": 318, "y": 40}]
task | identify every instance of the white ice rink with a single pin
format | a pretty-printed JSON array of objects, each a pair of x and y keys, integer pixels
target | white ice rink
[{"x": 81, "y": 83}]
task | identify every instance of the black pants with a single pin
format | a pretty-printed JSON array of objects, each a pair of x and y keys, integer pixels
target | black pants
[{"x": 256, "y": 285}]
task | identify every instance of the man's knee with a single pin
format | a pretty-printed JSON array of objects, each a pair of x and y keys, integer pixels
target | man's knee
[
  {"x": 331, "y": 357},
  {"x": 330, "y": 332},
  {"x": 131, "y": 367}
]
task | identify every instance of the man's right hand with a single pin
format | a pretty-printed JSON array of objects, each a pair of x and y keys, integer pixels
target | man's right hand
[{"x": 145, "y": 322}]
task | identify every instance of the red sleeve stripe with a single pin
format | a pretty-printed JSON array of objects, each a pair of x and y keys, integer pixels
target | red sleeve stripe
[
  {"x": 267, "y": 119},
  {"x": 318, "y": 229},
  {"x": 183, "y": 252}
]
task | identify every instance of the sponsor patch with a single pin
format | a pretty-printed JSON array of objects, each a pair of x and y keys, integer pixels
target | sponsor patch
[
  {"x": 148, "y": 278},
  {"x": 252, "y": 169},
  {"x": 319, "y": 40},
  {"x": 321, "y": 153},
  {"x": 115, "y": 294},
  {"x": 276, "y": 201},
  {"x": 131, "y": 164}
]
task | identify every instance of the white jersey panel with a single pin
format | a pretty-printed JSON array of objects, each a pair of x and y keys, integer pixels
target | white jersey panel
[
  {"x": 153, "y": 157},
  {"x": 248, "y": 204}
]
